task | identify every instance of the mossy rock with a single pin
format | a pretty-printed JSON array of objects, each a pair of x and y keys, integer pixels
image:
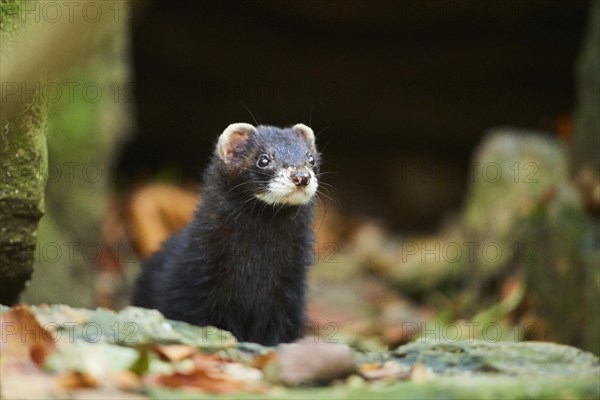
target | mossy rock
[{"x": 133, "y": 327}]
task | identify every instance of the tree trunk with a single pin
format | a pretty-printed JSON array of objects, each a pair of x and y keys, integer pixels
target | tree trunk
[
  {"x": 23, "y": 165},
  {"x": 27, "y": 40},
  {"x": 23, "y": 168}
]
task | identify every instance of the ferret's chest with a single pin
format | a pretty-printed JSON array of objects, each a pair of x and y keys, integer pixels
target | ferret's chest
[{"x": 261, "y": 262}]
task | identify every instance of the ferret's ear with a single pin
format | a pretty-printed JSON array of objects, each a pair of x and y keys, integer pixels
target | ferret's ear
[
  {"x": 308, "y": 134},
  {"x": 233, "y": 139}
]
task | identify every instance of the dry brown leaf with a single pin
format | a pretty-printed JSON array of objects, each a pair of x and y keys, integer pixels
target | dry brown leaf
[
  {"x": 73, "y": 380},
  {"x": 127, "y": 380},
  {"x": 387, "y": 370},
  {"x": 24, "y": 339},
  {"x": 208, "y": 375},
  {"x": 262, "y": 360},
  {"x": 157, "y": 211},
  {"x": 369, "y": 367},
  {"x": 200, "y": 379},
  {"x": 175, "y": 352}
]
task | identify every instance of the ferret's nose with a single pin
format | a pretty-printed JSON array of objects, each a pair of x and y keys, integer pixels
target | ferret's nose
[{"x": 300, "y": 178}]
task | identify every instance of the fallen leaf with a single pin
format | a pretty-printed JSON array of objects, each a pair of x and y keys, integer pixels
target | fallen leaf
[
  {"x": 242, "y": 373},
  {"x": 387, "y": 370},
  {"x": 157, "y": 211},
  {"x": 73, "y": 380},
  {"x": 23, "y": 338},
  {"x": 175, "y": 352},
  {"x": 262, "y": 360},
  {"x": 209, "y": 374},
  {"x": 369, "y": 367},
  {"x": 127, "y": 380},
  {"x": 201, "y": 380},
  {"x": 24, "y": 347}
]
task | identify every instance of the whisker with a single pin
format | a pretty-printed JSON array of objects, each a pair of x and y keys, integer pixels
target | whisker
[
  {"x": 254, "y": 205},
  {"x": 321, "y": 131},
  {"x": 324, "y": 213},
  {"x": 328, "y": 185},
  {"x": 297, "y": 213},
  {"x": 250, "y": 112},
  {"x": 245, "y": 183},
  {"x": 264, "y": 173},
  {"x": 262, "y": 210},
  {"x": 276, "y": 212},
  {"x": 326, "y": 173},
  {"x": 329, "y": 197}
]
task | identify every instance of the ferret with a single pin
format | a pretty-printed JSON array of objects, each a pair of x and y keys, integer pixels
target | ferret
[{"x": 241, "y": 263}]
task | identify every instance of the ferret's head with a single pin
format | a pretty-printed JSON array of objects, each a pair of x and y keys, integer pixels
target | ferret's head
[{"x": 277, "y": 166}]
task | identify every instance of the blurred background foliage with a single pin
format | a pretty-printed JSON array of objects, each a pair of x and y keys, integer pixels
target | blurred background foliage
[{"x": 441, "y": 224}]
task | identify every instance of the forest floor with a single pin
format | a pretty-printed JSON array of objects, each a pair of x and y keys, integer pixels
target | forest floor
[{"x": 63, "y": 352}]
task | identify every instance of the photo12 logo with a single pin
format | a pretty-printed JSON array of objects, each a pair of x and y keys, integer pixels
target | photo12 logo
[
  {"x": 124, "y": 332},
  {"x": 72, "y": 172},
  {"x": 469, "y": 251},
  {"x": 70, "y": 92},
  {"x": 490, "y": 332},
  {"x": 68, "y": 11}
]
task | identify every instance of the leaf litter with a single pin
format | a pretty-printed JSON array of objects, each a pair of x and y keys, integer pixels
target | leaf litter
[{"x": 62, "y": 352}]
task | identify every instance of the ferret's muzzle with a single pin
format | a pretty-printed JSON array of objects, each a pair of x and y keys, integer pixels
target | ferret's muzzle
[{"x": 301, "y": 178}]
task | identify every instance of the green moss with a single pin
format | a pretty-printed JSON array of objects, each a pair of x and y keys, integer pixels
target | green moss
[
  {"x": 9, "y": 11},
  {"x": 23, "y": 156}
]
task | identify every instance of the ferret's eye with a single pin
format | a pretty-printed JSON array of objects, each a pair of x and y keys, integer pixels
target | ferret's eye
[
  {"x": 263, "y": 161},
  {"x": 311, "y": 160}
]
